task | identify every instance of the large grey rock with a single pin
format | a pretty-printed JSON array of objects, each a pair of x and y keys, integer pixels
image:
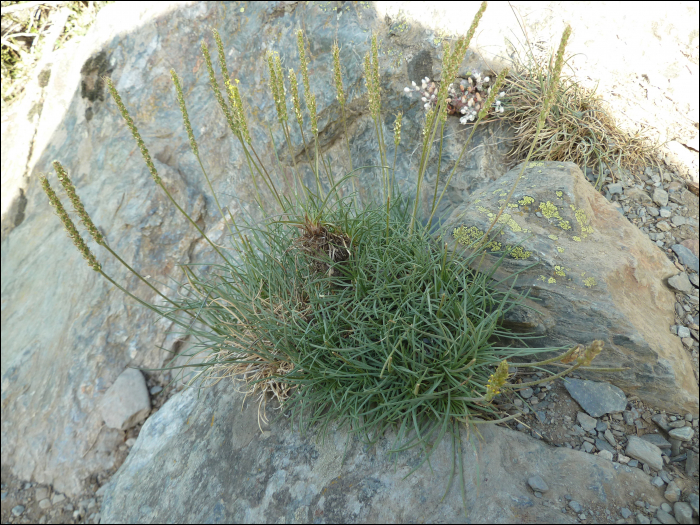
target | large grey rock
[
  {"x": 205, "y": 460},
  {"x": 596, "y": 398},
  {"x": 55, "y": 372},
  {"x": 126, "y": 403},
  {"x": 645, "y": 452},
  {"x": 596, "y": 277}
]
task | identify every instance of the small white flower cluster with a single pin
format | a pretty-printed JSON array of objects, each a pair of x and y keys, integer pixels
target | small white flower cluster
[
  {"x": 428, "y": 92},
  {"x": 468, "y": 101}
]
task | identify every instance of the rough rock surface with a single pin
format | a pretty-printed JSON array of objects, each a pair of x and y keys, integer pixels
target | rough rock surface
[
  {"x": 55, "y": 372},
  {"x": 202, "y": 460},
  {"x": 598, "y": 277}
]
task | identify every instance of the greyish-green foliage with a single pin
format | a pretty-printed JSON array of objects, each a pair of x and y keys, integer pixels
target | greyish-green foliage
[{"x": 345, "y": 311}]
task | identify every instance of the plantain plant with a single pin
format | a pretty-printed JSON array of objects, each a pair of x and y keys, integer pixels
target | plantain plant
[{"x": 346, "y": 311}]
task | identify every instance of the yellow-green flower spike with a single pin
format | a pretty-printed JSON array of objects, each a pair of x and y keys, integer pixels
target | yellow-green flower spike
[
  {"x": 492, "y": 94},
  {"x": 69, "y": 226},
  {"x": 397, "y": 128},
  {"x": 294, "y": 86},
  {"x": 77, "y": 203},
  {"x": 222, "y": 55},
  {"x": 134, "y": 131},
  {"x": 215, "y": 87},
  {"x": 496, "y": 381},
  {"x": 337, "y": 76},
  {"x": 183, "y": 109}
]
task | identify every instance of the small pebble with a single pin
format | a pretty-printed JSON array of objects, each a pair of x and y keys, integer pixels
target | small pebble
[
  {"x": 625, "y": 512},
  {"x": 666, "y": 507},
  {"x": 18, "y": 510},
  {"x": 575, "y": 506}
]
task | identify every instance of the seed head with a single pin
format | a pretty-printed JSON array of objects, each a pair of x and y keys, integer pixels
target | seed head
[
  {"x": 77, "y": 203},
  {"x": 496, "y": 381},
  {"x": 337, "y": 75},
  {"x": 217, "y": 92},
  {"x": 397, "y": 128},
  {"x": 134, "y": 130},
  {"x": 183, "y": 109},
  {"x": 69, "y": 226}
]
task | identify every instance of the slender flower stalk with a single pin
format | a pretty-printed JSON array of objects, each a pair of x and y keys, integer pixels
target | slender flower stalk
[
  {"x": 147, "y": 158},
  {"x": 310, "y": 100},
  {"x": 482, "y": 114},
  {"x": 90, "y": 226},
  {"x": 496, "y": 381},
  {"x": 193, "y": 144},
  {"x": 341, "y": 96},
  {"x": 549, "y": 100}
]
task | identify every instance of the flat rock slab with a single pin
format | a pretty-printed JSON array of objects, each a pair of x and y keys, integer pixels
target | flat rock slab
[
  {"x": 590, "y": 274},
  {"x": 206, "y": 461},
  {"x": 596, "y": 398}
]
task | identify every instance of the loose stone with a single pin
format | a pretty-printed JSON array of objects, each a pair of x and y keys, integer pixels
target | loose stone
[
  {"x": 672, "y": 492},
  {"x": 683, "y": 512},
  {"x": 537, "y": 484},
  {"x": 596, "y": 398},
  {"x": 586, "y": 421},
  {"x": 575, "y": 506},
  {"x": 18, "y": 510},
  {"x": 682, "y": 434},
  {"x": 644, "y": 451},
  {"x": 665, "y": 517}
]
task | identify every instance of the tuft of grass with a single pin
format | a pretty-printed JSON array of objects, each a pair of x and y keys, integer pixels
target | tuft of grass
[
  {"x": 345, "y": 312},
  {"x": 579, "y": 127}
]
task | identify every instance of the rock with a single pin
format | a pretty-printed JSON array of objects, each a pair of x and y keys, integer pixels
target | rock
[
  {"x": 126, "y": 402},
  {"x": 657, "y": 481},
  {"x": 681, "y": 434},
  {"x": 672, "y": 492},
  {"x": 683, "y": 512},
  {"x": 666, "y": 507},
  {"x": 606, "y": 454},
  {"x": 694, "y": 280},
  {"x": 17, "y": 510},
  {"x": 694, "y": 502},
  {"x": 154, "y": 390},
  {"x": 41, "y": 493},
  {"x": 644, "y": 452},
  {"x": 53, "y": 381},
  {"x": 575, "y": 506},
  {"x": 587, "y": 447},
  {"x": 681, "y": 283},
  {"x": 587, "y": 422},
  {"x": 625, "y": 512},
  {"x": 537, "y": 483},
  {"x": 660, "y": 197},
  {"x": 57, "y": 498},
  {"x": 610, "y": 438},
  {"x": 596, "y": 398},
  {"x": 665, "y": 212},
  {"x": 556, "y": 188},
  {"x": 257, "y": 471},
  {"x": 638, "y": 195},
  {"x": 90, "y": 332},
  {"x": 615, "y": 188},
  {"x": 641, "y": 518},
  {"x": 665, "y": 517},
  {"x": 661, "y": 420},
  {"x": 604, "y": 445},
  {"x": 656, "y": 439},
  {"x": 693, "y": 245},
  {"x": 691, "y": 464},
  {"x": 526, "y": 393}
]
